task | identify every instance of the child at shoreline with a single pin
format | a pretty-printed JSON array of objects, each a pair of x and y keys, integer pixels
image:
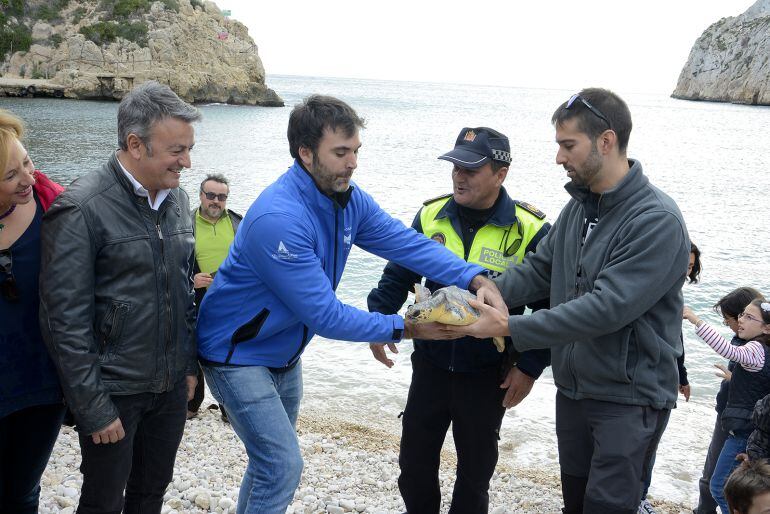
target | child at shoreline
[
  {"x": 750, "y": 381},
  {"x": 729, "y": 307}
]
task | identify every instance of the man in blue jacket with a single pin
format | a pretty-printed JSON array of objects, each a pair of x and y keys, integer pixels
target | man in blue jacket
[
  {"x": 276, "y": 289},
  {"x": 613, "y": 265}
]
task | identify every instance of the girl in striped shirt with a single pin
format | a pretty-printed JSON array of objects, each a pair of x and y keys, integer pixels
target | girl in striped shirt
[{"x": 750, "y": 382}]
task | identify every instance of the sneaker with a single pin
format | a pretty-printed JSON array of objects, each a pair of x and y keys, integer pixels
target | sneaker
[{"x": 645, "y": 507}]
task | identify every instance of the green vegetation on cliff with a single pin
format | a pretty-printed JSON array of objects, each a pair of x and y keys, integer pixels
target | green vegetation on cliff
[
  {"x": 116, "y": 21},
  {"x": 15, "y": 34},
  {"x": 105, "y": 32}
]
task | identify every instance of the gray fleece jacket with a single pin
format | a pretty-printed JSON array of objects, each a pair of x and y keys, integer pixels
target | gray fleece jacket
[{"x": 616, "y": 302}]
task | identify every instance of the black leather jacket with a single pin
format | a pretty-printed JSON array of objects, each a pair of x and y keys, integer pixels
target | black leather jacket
[{"x": 116, "y": 295}]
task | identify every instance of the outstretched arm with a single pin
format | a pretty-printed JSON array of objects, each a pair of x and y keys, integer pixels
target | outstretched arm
[{"x": 751, "y": 355}]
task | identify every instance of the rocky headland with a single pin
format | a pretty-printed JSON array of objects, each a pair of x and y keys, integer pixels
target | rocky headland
[
  {"x": 730, "y": 61},
  {"x": 100, "y": 49}
]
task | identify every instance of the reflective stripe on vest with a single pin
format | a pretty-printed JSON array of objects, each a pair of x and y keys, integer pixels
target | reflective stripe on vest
[{"x": 495, "y": 248}]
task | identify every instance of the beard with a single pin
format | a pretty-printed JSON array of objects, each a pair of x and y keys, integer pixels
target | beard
[
  {"x": 328, "y": 181},
  {"x": 590, "y": 167},
  {"x": 213, "y": 212}
]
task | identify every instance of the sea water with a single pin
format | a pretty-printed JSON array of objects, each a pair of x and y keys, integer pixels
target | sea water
[{"x": 711, "y": 158}]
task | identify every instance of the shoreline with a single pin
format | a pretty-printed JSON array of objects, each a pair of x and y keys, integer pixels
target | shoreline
[{"x": 349, "y": 467}]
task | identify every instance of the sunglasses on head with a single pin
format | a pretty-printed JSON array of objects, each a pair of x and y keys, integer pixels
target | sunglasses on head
[
  {"x": 8, "y": 288},
  {"x": 577, "y": 98},
  {"x": 210, "y": 196}
]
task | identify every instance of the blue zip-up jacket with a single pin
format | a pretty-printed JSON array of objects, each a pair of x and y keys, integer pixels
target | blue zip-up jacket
[{"x": 276, "y": 288}]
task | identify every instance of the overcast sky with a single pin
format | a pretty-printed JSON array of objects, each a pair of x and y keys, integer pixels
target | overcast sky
[{"x": 637, "y": 46}]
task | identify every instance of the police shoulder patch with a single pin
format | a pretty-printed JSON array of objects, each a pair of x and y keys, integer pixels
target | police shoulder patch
[
  {"x": 427, "y": 202},
  {"x": 531, "y": 209}
]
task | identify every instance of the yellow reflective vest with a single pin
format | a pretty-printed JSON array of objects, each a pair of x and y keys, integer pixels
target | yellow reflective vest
[{"x": 498, "y": 245}]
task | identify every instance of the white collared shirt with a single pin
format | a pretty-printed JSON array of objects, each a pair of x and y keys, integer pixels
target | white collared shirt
[{"x": 139, "y": 190}]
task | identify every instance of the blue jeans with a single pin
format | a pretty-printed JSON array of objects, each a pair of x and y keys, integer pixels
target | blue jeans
[
  {"x": 706, "y": 503},
  {"x": 726, "y": 463},
  {"x": 262, "y": 405}
]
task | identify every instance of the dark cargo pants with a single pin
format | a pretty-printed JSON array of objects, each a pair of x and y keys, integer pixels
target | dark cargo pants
[{"x": 604, "y": 448}]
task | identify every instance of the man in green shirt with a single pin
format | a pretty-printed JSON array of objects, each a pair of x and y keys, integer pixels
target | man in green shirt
[{"x": 215, "y": 227}]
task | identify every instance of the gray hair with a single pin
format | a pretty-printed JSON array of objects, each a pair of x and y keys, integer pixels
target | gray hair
[
  {"x": 216, "y": 177},
  {"x": 146, "y": 104}
]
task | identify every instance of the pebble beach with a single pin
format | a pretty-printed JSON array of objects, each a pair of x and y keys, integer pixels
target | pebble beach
[{"x": 349, "y": 467}]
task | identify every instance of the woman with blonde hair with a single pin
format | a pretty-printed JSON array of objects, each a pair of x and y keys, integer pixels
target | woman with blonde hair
[{"x": 31, "y": 406}]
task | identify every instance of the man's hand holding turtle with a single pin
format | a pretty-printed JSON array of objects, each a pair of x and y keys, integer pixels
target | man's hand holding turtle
[
  {"x": 486, "y": 292},
  {"x": 429, "y": 331},
  {"x": 491, "y": 323}
]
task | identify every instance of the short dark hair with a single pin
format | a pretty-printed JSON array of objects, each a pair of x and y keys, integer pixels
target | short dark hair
[
  {"x": 736, "y": 300},
  {"x": 694, "y": 275},
  {"x": 498, "y": 165},
  {"x": 309, "y": 119},
  {"x": 748, "y": 481},
  {"x": 216, "y": 177},
  {"x": 609, "y": 104}
]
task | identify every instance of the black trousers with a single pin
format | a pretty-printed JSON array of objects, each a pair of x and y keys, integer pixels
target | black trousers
[
  {"x": 197, "y": 399},
  {"x": 472, "y": 402},
  {"x": 27, "y": 438},
  {"x": 706, "y": 503},
  {"x": 604, "y": 450},
  {"x": 142, "y": 463}
]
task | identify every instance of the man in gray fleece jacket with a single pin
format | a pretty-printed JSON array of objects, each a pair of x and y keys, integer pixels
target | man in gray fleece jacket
[{"x": 613, "y": 265}]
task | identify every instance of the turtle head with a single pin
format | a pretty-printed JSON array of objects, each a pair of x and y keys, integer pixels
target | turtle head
[{"x": 417, "y": 313}]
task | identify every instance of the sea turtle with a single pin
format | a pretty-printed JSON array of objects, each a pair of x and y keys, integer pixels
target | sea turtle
[{"x": 447, "y": 305}]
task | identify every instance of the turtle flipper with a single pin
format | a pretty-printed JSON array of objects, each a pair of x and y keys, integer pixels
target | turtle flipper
[
  {"x": 499, "y": 343},
  {"x": 421, "y": 293}
]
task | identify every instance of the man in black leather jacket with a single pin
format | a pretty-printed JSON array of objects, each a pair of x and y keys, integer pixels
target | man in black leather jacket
[{"x": 117, "y": 308}]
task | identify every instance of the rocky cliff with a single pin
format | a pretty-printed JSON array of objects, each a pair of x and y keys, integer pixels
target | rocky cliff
[
  {"x": 730, "y": 61},
  {"x": 102, "y": 48}
]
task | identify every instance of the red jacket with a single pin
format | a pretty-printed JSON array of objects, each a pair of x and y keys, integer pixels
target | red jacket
[{"x": 46, "y": 189}]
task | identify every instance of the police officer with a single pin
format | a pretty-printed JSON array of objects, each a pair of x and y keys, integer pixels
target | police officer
[{"x": 466, "y": 381}]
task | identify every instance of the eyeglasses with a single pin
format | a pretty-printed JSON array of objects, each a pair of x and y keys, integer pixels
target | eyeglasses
[
  {"x": 210, "y": 196},
  {"x": 727, "y": 319},
  {"x": 577, "y": 98},
  {"x": 8, "y": 287},
  {"x": 750, "y": 317}
]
